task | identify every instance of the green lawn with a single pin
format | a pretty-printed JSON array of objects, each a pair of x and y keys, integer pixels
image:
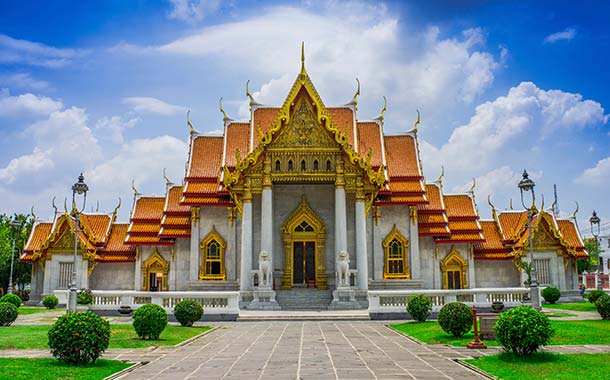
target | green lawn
[
  {"x": 121, "y": 336},
  {"x": 51, "y": 369},
  {"x": 27, "y": 310},
  {"x": 566, "y": 332},
  {"x": 576, "y": 306},
  {"x": 545, "y": 366}
]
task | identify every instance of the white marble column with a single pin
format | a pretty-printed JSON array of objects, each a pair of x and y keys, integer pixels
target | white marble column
[
  {"x": 246, "y": 240},
  {"x": 361, "y": 256},
  {"x": 267, "y": 216},
  {"x": 195, "y": 241},
  {"x": 414, "y": 244},
  {"x": 340, "y": 211}
]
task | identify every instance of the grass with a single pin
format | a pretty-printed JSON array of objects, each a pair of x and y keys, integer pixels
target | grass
[
  {"x": 566, "y": 332},
  {"x": 51, "y": 369},
  {"x": 576, "y": 306},
  {"x": 546, "y": 366},
  {"x": 121, "y": 336},
  {"x": 28, "y": 310}
]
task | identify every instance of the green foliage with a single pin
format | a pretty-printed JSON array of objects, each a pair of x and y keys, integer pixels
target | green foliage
[
  {"x": 527, "y": 268},
  {"x": 8, "y": 313},
  {"x": 21, "y": 271},
  {"x": 84, "y": 297},
  {"x": 149, "y": 321},
  {"x": 603, "y": 306},
  {"x": 523, "y": 330},
  {"x": 551, "y": 294},
  {"x": 188, "y": 312},
  {"x": 455, "y": 318},
  {"x": 79, "y": 338},
  {"x": 594, "y": 295},
  {"x": 11, "y": 298},
  {"x": 50, "y": 302},
  {"x": 591, "y": 263},
  {"x": 419, "y": 307}
]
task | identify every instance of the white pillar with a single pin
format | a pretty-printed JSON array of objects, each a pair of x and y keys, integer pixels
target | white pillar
[
  {"x": 361, "y": 256},
  {"x": 340, "y": 220},
  {"x": 267, "y": 226},
  {"x": 246, "y": 241},
  {"x": 414, "y": 244},
  {"x": 195, "y": 241}
]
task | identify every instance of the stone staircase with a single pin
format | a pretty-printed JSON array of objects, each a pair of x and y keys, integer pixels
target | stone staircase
[{"x": 304, "y": 299}]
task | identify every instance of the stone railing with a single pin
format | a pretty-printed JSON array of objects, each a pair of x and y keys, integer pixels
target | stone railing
[
  {"x": 385, "y": 303},
  {"x": 214, "y": 303}
]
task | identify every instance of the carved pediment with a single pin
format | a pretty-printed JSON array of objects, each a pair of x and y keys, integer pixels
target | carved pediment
[
  {"x": 304, "y": 130},
  {"x": 543, "y": 241}
]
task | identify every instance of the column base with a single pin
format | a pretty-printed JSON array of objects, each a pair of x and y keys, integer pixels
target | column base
[
  {"x": 264, "y": 299},
  {"x": 344, "y": 299}
]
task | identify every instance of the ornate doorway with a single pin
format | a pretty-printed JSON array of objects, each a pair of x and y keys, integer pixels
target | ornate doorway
[{"x": 304, "y": 235}]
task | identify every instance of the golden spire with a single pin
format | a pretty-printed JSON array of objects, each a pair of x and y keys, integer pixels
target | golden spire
[
  {"x": 385, "y": 107},
  {"x": 493, "y": 209},
  {"x": 303, "y": 57},
  {"x": 417, "y": 122},
  {"x": 188, "y": 122},
  {"x": 97, "y": 207},
  {"x": 116, "y": 209},
  {"x": 510, "y": 203},
  {"x": 32, "y": 213},
  {"x": 575, "y": 211},
  {"x": 355, "y": 100},
  {"x": 54, "y": 206},
  {"x": 474, "y": 183},
  {"x": 133, "y": 187},
  {"x": 440, "y": 178},
  {"x": 222, "y": 110},
  {"x": 248, "y": 94},
  {"x": 167, "y": 181},
  {"x": 542, "y": 206}
]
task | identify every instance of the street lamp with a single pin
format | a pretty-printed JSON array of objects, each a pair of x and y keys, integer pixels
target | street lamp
[
  {"x": 79, "y": 188},
  {"x": 594, "y": 220},
  {"x": 16, "y": 227},
  {"x": 526, "y": 185}
]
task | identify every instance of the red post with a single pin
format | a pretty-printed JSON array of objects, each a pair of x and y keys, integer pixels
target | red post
[{"x": 476, "y": 343}]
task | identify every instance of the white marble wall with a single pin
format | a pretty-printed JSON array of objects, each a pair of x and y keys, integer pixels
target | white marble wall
[{"x": 112, "y": 276}]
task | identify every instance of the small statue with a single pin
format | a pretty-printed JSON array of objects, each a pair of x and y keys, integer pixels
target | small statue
[
  {"x": 343, "y": 269},
  {"x": 264, "y": 270}
]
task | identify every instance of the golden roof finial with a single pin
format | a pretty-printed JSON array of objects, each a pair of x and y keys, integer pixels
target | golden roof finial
[
  {"x": 97, "y": 207},
  {"x": 222, "y": 110},
  {"x": 493, "y": 209},
  {"x": 440, "y": 178},
  {"x": 575, "y": 211},
  {"x": 167, "y": 181},
  {"x": 355, "y": 100},
  {"x": 54, "y": 206},
  {"x": 133, "y": 187},
  {"x": 188, "y": 122},
  {"x": 474, "y": 183},
  {"x": 417, "y": 122},
  {"x": 510, "y": 203},
  {"x": 32, "y": 213},
  {"x": 116, "y": 209},
  {"x": 542, "y": 206},
  {"x": 385, "y": 107},
  {"x": 302, "y": 57},
  {"x": 248, "y": 94}
]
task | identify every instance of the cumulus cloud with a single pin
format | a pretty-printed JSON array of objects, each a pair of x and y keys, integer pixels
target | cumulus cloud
[
  {"x": 192, "y": 10},
  {"x": 23, "y": 80},
  {"x": 153, "y": 105},
  {"x": 15, "y": 51},
  {"x": 114, "y": 127},
  {"x": 26, "y": 104},
  {"x": 597, "y": 175},
  {"x": 566, "y": 34}
]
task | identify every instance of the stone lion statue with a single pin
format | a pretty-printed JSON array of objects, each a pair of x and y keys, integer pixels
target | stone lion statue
[
  {"x": 343, "y": 269},
  {"x": 264, "y": 270}
]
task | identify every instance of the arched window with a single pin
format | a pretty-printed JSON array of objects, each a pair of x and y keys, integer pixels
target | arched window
[
  {"x": 277, "y": 166},
  {"x": 315, "y": 165},
  {"x": 303, "y": 165},
  {"x": 395, "y": 247},
  {"x": 289, "y": 165},
  {"x": 454, "y": 269},
  {"x": 328, "y": 167},
  {"x": 212, "y": 257}
]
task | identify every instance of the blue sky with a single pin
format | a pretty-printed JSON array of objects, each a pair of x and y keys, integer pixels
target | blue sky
[{"x": 103, "y": 87}]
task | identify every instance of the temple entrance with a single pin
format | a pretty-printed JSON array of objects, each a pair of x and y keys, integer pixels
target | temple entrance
[
  {"x": 304, "y": 236},
  {"x": 154, "y": 273},
  {"x": 304, "y": 271}
]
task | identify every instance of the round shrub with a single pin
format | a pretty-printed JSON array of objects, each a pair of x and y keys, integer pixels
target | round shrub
[
  {"x": 419, "y": 307},
  {"x": 603, "y": 306},
  {"x": 593, "y": 295},
  {"x": 551, "y": 294},
  {"x": 79, "y": 337},
  {"x": 523, "y": 330},
  {"x": 149, "y": 321},
  {"x": 50, "y": 302},
  {"x": 8, "y": 313},
  {"x": 188, "y": 312},
  {"x": 84, "y": 297},
  {"x": 455, "y": 318},
  {"x": 11, "y": 298}
]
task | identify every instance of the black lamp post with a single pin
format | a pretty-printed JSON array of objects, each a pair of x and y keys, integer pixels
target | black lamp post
[
  {"x": 525, "y": 186},
  {"x": 15, "y": 227},
  {"x": 79, "y": 188},
  {"x": 595, "y": 229}
]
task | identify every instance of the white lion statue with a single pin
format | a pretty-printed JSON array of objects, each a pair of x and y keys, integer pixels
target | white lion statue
[
  {"x": 264, "y": 270},
  {"x": 343, "y": 269}
]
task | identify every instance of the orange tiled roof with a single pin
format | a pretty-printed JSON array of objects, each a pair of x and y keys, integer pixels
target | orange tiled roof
[
  {"x": 40, "y": 233},
  {"x": 459, "y": 206},
  {"x": 172, "y": 205},
  {"x": 493, "y": 246},
  {"x": 218, "y": 200},
  {"x": 401, "y": 186},
  {"x": 399, "y": 199},
  {"x": 146, "y": 240},
  {"x": 462, "y": 237},
  {"x": 96, "y": 226},
  {"x": 401, "y": 157},
  {"x": 570, "y": 233},
  {"x": 369, "y": 137},
  {"x": 148, "y": 208},
  {"x": 427, "y": 219},
  {"x": 238, "y": 139},
  {"x": 464, "y": 225},
  {"x": 511, "y": 222},
  {"x": 263, "y": 117},
  {"x": 206, "y": 156},
  {"x": 200, "y": 188},
  {"x": 116, "y": 240},
  {"x": 173, "y": 233},
  {"x": 433, "y": 193},
  {"x": 142, "y": 228},
  {"x": 440, "y": 230},
  {"x": 463, "y": 219},
  {"x": 343, "y": 119},
  {"x": 176, "y": 221}
]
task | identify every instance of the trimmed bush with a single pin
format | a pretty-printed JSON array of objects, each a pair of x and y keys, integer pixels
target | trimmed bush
[
  {"x": 603, "y": 306},
  {"x": 50, "y": 302},
  {"x": 419, "y": 307},
  {"x": 523, "y": 330},
  {"x": 551, "y": 294},
  {"x": 84, "y": 297},
  {"x": 8, "y": 313},
  {"x": 11, "y": 298},
  {"x": 593, "y": 295},
  {"x": 79, "y": 337},
  {"x": 455, "y": 318},
  {"x": 188, "y": 312},
  {"x": 149, "y": 321}
]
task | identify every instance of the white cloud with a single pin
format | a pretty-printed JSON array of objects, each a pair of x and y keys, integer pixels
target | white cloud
[
  {"x": 23, "y": 80},
  {"x": 192, "y": 10},
  {"x": 597, "y": 175},
  {"x": 153, "y": 105},
  {"x": 27, "y": 104},
  {"x": 495, "y": 126},
  {"x": 15, "y": 51},
  {"x": 115, "y": 126},
  {"x": 566, "y": 34}
]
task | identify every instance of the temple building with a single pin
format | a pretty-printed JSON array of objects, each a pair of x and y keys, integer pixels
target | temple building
[{"x": 303, "y": 198}]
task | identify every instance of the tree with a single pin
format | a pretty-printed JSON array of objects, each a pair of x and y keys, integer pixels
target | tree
[
  {"x": 590, "y": 264},
  {"x": 22, "y": 272}
]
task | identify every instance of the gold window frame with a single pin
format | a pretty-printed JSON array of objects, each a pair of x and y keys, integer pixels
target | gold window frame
[
  {"x": 213, "y": 236},
  {"x": 387, "y": 246}
]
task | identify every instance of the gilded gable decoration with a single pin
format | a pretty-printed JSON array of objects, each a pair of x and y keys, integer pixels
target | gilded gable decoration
[{"x": 454, "y": 270}]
